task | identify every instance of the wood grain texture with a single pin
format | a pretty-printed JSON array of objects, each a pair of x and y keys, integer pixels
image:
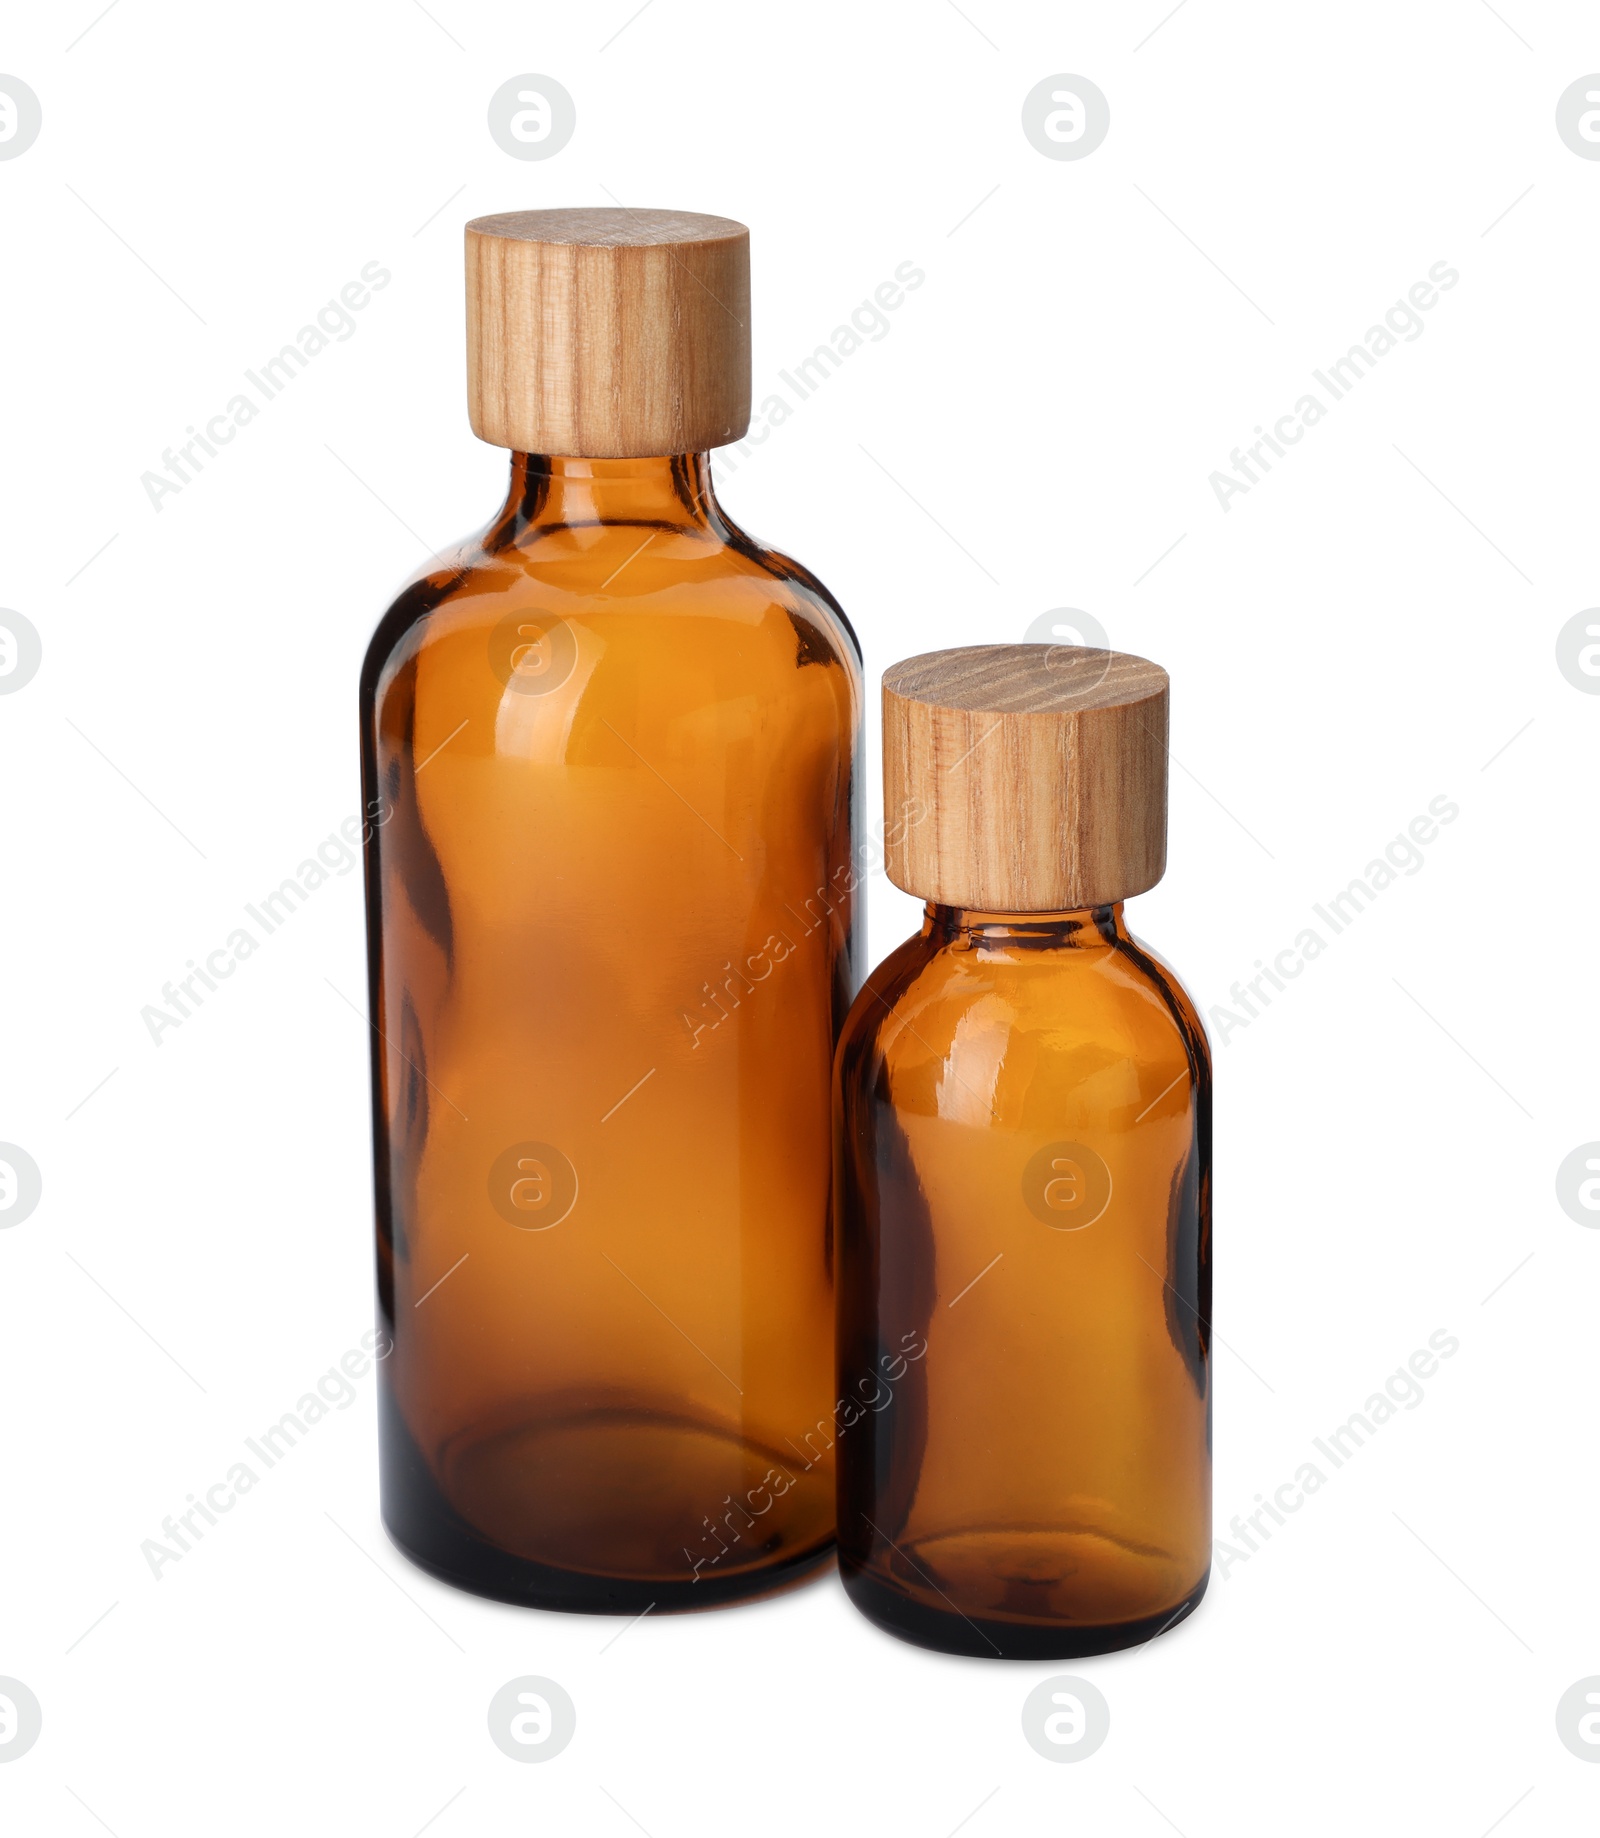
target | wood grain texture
[
  {"x": 1025, "y": 778},
  {"x": 608, "y": 334}
]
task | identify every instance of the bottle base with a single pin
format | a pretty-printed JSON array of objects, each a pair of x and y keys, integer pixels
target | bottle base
[
  {"x": 946, "y": 1630},
  {"x": 604, "y": 1515},
  {"x": 502, "y": 1577}
]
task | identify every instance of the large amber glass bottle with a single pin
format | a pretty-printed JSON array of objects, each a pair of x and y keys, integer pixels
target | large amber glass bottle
[
  {"x": 611, "y": 748},
  {"x": 1023, "y": 1098}
]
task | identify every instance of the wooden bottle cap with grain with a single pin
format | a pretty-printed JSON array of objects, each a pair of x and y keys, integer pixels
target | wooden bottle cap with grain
[
  {"x": 608, "y": 334},
  {"x": 1025, "y": 778}
]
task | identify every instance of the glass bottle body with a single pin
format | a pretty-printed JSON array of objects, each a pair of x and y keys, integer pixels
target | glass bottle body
[
  {"x": 1022, "y": 1221},
  {"x": 609, "y": 755}
]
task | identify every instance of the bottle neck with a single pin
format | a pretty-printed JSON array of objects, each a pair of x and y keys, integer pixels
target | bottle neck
[
  {"x": 1089, "y": 928},
  {"x": 549, "y": 490}
]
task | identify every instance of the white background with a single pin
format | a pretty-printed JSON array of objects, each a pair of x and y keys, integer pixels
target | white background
[{"x": 1372, "y": 626}]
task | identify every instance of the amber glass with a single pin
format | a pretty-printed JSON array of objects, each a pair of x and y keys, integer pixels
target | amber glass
[
  {"x": 1023, "y": 1120},
  {"x": 610, "y": 763}
]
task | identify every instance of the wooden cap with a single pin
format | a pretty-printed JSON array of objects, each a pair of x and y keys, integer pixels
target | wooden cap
[
  {"x": 1025, "y": 778},
  {"x": 608, "y": 334}
]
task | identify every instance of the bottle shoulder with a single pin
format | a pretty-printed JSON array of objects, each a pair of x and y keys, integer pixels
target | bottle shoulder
[
  {"x": 729, "y": 593},
  {"x": 933, "y": 1002}
]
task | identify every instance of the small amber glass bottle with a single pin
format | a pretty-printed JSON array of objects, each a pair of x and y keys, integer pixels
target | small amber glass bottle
[
  {"x": 1022, "y": 1210},
  {"x": 610, "y": 754}
]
